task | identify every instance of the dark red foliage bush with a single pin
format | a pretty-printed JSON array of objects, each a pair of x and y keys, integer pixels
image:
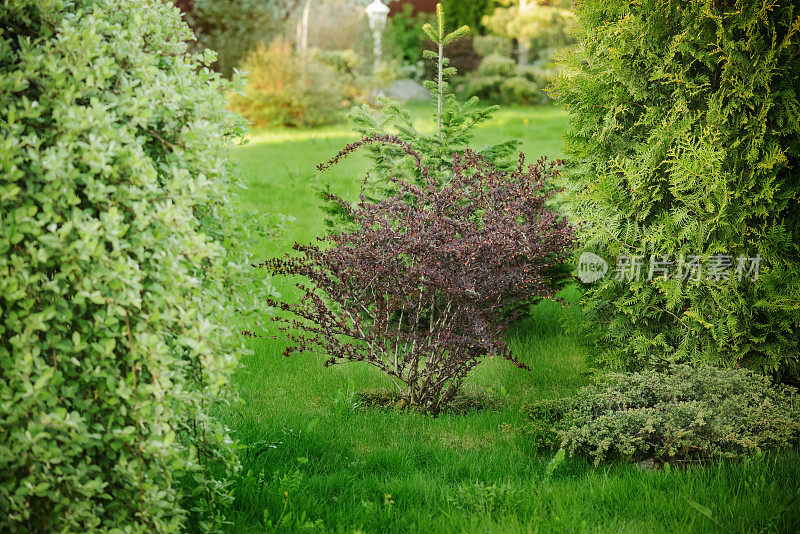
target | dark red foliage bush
[{"x": 421, "y": 287}]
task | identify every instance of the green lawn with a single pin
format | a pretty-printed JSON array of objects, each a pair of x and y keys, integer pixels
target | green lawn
[{"x": 312, "y": 454}]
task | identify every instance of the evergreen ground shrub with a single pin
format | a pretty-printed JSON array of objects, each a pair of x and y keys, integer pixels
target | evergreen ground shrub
[{"x": 681, "y": 415}]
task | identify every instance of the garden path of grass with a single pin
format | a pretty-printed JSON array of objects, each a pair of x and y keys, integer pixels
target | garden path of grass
[{"x": 311, "y": 454}]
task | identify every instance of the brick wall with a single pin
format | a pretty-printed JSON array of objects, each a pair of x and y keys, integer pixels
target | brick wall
[{"x": 427, "y": 6}]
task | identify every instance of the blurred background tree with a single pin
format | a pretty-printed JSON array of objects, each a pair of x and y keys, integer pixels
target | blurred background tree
[
  {"x": 468, "y": 13},
  {"x": 233, "y": 28},
  {"x": 536, "y": 25}
]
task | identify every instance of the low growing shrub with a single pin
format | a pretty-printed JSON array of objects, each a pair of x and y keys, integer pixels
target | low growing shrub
[
  {"x": 543, "y": 419},
  {"x": 497, "y": 65},
  {"x": 421, "y": 286},
  {"x": 684, "y": 414}
]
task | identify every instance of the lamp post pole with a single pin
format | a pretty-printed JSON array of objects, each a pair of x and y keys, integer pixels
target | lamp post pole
[
  {"x": 377, "y": 13},
  {"x": 377, "y": 49}
]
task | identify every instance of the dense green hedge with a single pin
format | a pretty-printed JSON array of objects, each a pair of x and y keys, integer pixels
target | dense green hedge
[
  {"x": 685, "y": 140},
  {"x": 114, "y": 192}
]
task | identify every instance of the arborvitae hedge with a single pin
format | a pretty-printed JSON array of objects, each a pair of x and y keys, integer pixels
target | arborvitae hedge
[
  {"x": 114, "y": 192},
  {"x": 685, "y": 139}
]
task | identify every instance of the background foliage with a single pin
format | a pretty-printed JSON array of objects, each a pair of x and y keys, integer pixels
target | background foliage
[
  {"x": 234, "y": 27},
  {"x": 285, "y": 88},
  {"x": 404, "y": 30},
  {"x": 540, "y": 24},
  {"x": 468, "y": 13},
  {"x": 684, "y": 140},
  {"x": 119, "y": 250},
  {"x": 500, "y": 80}
]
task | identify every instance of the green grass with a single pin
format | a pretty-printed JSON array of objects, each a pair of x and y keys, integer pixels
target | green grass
[{"x": 310, "y": 454}]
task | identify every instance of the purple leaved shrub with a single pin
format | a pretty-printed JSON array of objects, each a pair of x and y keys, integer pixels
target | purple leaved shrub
[{"x": 421, "y": 285}]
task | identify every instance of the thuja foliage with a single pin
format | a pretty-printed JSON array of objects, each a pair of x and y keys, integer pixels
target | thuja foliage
[
  {"x": 118, "y": 251},
  {"x": 682, "y": 415},
  {"x": 684, "y": 141},
  {"x": 422, "y": 285},
  {"x": 455, "y": 123}
]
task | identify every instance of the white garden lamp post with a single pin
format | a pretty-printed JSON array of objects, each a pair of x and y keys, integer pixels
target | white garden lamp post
[{"x": 377, "y": 13}]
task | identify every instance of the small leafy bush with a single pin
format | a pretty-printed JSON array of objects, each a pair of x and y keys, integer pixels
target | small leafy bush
[
  {"x": 684, "y": 414},
  {"x": 289, "y": 89},
  {"x": 422, "y": 285},
  {"x": 497, "y": 65}
]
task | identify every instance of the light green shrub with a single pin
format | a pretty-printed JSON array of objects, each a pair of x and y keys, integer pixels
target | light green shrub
[
  {"x": 685, "y": 414},
  {"x": 114, "y": 207},
  {"x": 486, "y": 45},
  {"x": 520, "y": 90},
  {"x": 287, "y": 89},
  {"x": 497, "y": 65},
  {"x": 543, "y": 418},
  {"x": 499, "y": 80}
]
